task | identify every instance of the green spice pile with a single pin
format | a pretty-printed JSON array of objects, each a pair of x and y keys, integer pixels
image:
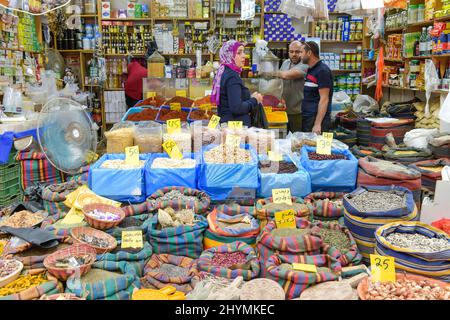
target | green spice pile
[
  {"x": 335, "y": 238},
  {"x": 290, "y": 232},
  {"x": 284, "y": 206},
  {"x": 95, "y": 275}
]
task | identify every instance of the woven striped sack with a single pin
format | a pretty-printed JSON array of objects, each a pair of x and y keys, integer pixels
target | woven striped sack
[
  {"x": 346, "y": 136},
  {"x": 295, "y": 282},
  {"x": 431, "y": 171},
  {"x": 430, "y": 264},
  {"x": 265, "y": 215},
  {"x": 138, "y": 222},
  {"x": 363, "y": 225},
  {"x": 53, "y": 223},
  {"x": 222, "y": 231},
  {"x": 181, "y": 241},
  {"x": 408, "y": 155},
  {"x": 53, "y": 196},
  {"x": 52, "y": 286},
  {"x": 199, "y": 206},
  {"x": 82, "y": 176},
  {"x": 155, "y": 279},
  {"x": 136, "y": 258},
  {"x": 362, "y": 152},
  {"x": 250, "y": 272},
  {"x": 234, "y": 208},
  {"x": 267, "y": 244},
  {"x": 35, "y": 168},
  {"x": 349, "y": 257},
  {"x": 117, "y": 287},
  {"x": 325, "y": 206}
]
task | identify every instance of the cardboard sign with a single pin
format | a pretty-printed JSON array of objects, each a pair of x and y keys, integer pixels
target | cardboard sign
[
  {"x": 205, "y": 107},
  {"x": 151, "y": 94},
  {"x": 214, "y": 122},
  {"x": 383, "y": 268},
  {"x": 172, "y": 150},
  {"x": 173, "y": 126},
  {"x": 235, "y": 124},
  {"x": 181, "y": 93},
  {"x": 324, "y": 143},
  {"x": 233, "y": 140},
  {"x": 132, "y": 239},
  {"x": 132, "y": 156},
  {"x": 282, "y": 196},
  {"x": 304, "y": 267},
  {"x": 285, "y": 219},
  {"x": 275, "y": 156},
  {"x": 176, "y": 106}
]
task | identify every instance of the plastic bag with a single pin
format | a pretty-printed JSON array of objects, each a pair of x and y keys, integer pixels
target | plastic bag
[
  {"x": 341, "y": 97},
  {"x": 365, "y": 104},
  {"x": 431, "y": 82},
  {"x": 444, "y": 113},
  {"x": 419, "y": 138},
  {"x": 120, "y": 137}
]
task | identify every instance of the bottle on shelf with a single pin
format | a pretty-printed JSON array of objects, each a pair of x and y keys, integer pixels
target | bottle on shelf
[
  {"x": 423, "y": 45},
  {"x": 429, "y": 41}
]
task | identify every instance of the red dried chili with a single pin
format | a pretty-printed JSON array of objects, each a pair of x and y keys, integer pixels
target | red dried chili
[
  {"x": 201, "y": 115},
  {"x": 148, "y": 114},
  {"x": 167, "y": 114},
  {"x": 155, "y": 102},
  {"x": 227, "y": 259},
  {"x": 185, "y": 102}
]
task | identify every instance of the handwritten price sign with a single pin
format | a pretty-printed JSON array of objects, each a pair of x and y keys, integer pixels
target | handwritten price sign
[
  {"x": 383, "y": 268},
  {"x": 151, "y": 95},
  {"x": 132, "y": 239},
  {"x": 285, "y": 219},
  {"x": 214, "y": 122},
  {"x": 176, "y": 106},
  {"x": 205, "y": 107},
  {"x": 324, "y": 143},
  {"x": 235, "y": 124},
  {"x": 132, "y": 156},
  {"x": 172, "y": 150},
  {"x": 173, "y": 126},
  {"x": 282, "y": 196},
  {"x": 275, "y": 156}
]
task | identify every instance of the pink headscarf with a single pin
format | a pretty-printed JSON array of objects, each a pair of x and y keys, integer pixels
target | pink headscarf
[{"x": 227, "y": 54}]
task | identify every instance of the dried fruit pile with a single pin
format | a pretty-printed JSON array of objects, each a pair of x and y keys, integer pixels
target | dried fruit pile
[
  {"x": 406, "y": 289},
  {"x": 320, "y": 157},
  {"x": 227, "y": 259}
]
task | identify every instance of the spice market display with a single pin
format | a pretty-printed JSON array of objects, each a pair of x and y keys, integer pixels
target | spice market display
[{"x": 188, "y": 152}]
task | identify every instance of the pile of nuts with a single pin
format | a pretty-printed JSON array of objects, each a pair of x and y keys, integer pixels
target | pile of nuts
[
  {"x": 228, "y": 259},
  {"x": 225, "y": 154},
  {"x": 418, "y": 242},
  {"x": 406, "y": 289},
  {"x": 321, "y": 157},
  {"x": 120, "y": 164},
  {"x": 373, "y": 201},
  {"x": 167, "y": 163}
]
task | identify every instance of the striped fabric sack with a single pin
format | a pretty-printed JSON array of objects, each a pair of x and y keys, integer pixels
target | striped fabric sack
[
  {"x": 265, "y": 215},
  {"x": 350, "y": 257},
  {"x": 134, "y": 257},
  {"x": 155, "y": 279},
  {"x": 362, "y": 152},
  {"x": 136, "y": 223},
  {"x": 181, "y": 241},
  {"x": 224, "y": 228},
  {"x": 199, "y": 206},
  {"x": 431, "y": 171},
  {"x": 53, "y": 223},
  {"x": 233, "y": 209},
  {"x": 53, "y": 196},
  {"x": 325, "y": 206},
  {"x": 53, "y": 286},
  {"x": 35, "y": 168},
  {"x": 250, "y": 272},
  {"x": 136, "y": 209},
  {"x": 363, "y": 225},
  {"x": 279, "y": 268},
  {"x": 408, "y": 155},
  {"x": 117, "y": 287},
  {"x": 82, "y": 176},
  {"x": 268, "y": 244},
  {"x": 429, "y": 264}
]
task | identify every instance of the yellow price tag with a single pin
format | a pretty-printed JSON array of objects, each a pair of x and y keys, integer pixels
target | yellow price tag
[
  {"x": 275, "y": 156},
  {"x": 285, "y": 219},
  {"x": 267, "y": 109},
  {"x": 214, "y": 122},
  {"x": 132, "y": 239},
  {"x": 233, "y": 140},
  {"x": 181, "y": 93},
  {"x": 205, "y": 107},
  {"x": 328, "y": 135},
  {"x": 235, "y": 124},
  {"x": 304, "y": 267},
  {"x": 282, "y": 196},
  {"x": 383, "y": 268},
  {"x": 151, "y": 95},
  {"x": 176, "y": 106},
  {"x": 172, "y": 150},
  {"x": 132, "y": 156},
  {"x": 323, "y": 146},
  {"x": 173, "y": 125}
]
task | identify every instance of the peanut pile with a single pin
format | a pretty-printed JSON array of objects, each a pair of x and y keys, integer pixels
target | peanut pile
[{"x": 406, "y": 289}]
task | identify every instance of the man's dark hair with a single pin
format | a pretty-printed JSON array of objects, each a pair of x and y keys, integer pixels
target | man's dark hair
[{"x": 313, "y": 47}]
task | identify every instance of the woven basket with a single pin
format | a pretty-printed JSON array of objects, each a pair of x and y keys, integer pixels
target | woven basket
[
  {"x": 364, "y": 284},
  {"x": 78, "y": 231},
  {"x": 76, "y": 250},
  {"x": 102, "y": 224}
]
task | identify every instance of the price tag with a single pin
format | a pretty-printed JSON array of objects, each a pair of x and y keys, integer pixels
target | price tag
[
  {"x": 181, "y": 93},
  {"x": 328, "y": 135},
  {"x": 282, "y": 196},
  {"x": 233, "y": 140},
  {"x": 324, "y": 143},
  {"x": 132, "y": 239},
  {"x": 214, "y": 122},
  {"x": 151, "y": 95},
  {"x": 235, "y": 124},
  {"x": 267, "y": 109},
  {"x": 172, "y": 150},
  {"x": 285, "y": 219},
  {"x": 176, "y": 106},
  {"x": 275, "y": 156},
  {"x": 304, "y": 267},
  {"x": 173, "y": 125},
  {"x": 383, "y": 268},
  {"x": 205, "y": 107},
  {"x": 132, "y": 156}
]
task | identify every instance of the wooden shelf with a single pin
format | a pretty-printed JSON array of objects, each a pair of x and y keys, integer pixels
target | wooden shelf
[
  {"x": 444, "y": 18},
  {"x": 414, "y": 89},
  {"x": 419, "y": 58},
  {"x": 114, "y": 89},
  {"x": 394, "y": 60},
  {"x": 421, "y": 24},
  {"x": 401, "y": 29},
  {"x": 183, "y": 54},
  {"x": 370, "y": 60},
  {"x": 19, "y": 50},
  {"x": 447, "y": 55},
  {"x": 82, "y": 15},
  {"x": 124, "y": 54},
  {"x": 235, "y": 14}
]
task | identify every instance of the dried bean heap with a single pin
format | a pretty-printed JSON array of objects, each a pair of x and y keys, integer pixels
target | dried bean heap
[
  {"x": 227, "y": 259},
  {"x": 120, "y": 164},
  {"x": 335, "y": 238},
  {"x": 372, "y": 201},
  {"x": 320, "y": 157},
  {"x": 418, "y": 242},
  {"x": 171, "y": 270},
  {"x": 277, "y": 167},
  {"x": 405, "y": 289}
]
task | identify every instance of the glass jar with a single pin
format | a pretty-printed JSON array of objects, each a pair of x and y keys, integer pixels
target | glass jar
[{"x": 420, "y": 12}]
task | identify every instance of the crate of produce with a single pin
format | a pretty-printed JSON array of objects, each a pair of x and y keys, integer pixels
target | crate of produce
[
  {"x": 166, "y": 114},
  {"x": 12, "y": 188},
  {"x": 137, "y": 114},
  {"x": 9, "y": 174},
  {"x": 7, "y": 201}
]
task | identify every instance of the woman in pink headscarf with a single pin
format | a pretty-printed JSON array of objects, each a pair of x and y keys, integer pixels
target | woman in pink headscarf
[{"x": 233, "y": 99}]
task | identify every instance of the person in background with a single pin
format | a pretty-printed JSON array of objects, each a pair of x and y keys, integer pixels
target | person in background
[
  {"x": 293, "y": 72},
  {"x": 318, "y": 92},
  {"x": 233, "y": 99}
]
